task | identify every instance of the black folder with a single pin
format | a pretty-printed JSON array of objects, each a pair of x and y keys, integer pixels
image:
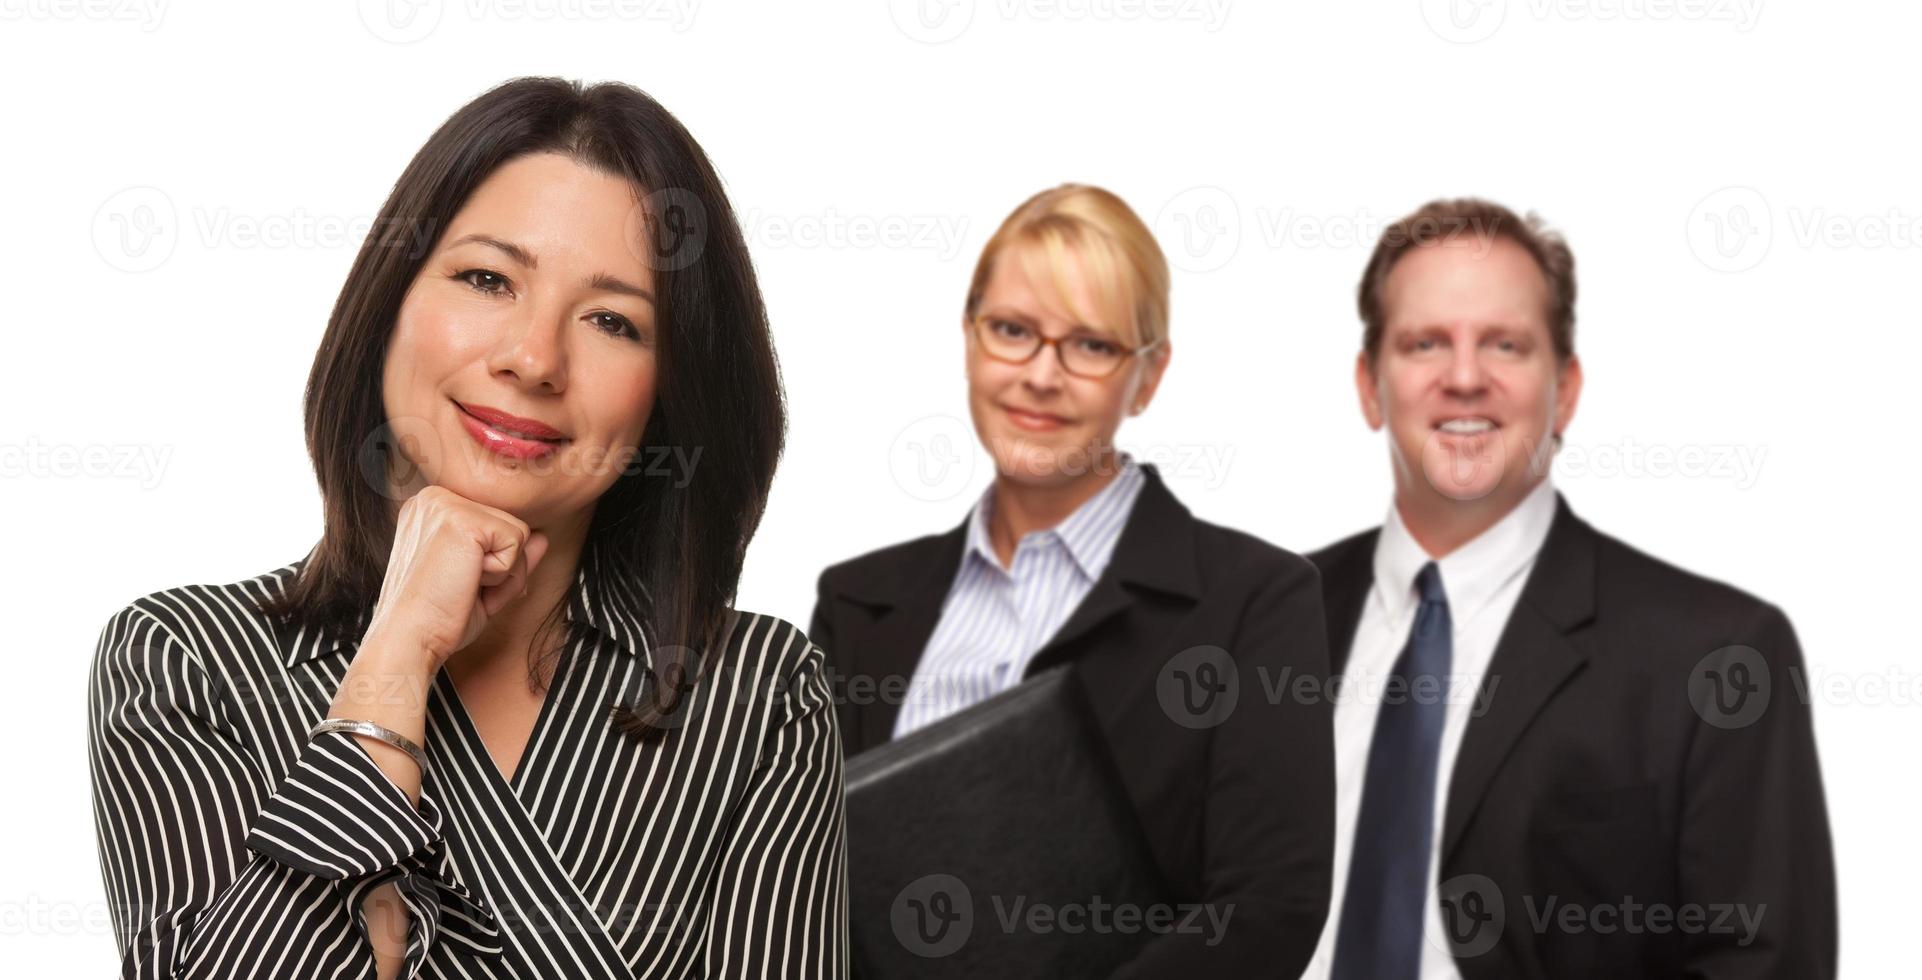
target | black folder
[{"x": 996, "y": 843}]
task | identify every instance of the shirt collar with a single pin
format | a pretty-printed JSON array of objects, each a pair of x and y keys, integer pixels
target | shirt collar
[
  {"x": 611, "y": 600},
  {"x": 1089, "y": 534},
  {"x": 1472, "y": 573},
  {"x": 604, "y": 598}
]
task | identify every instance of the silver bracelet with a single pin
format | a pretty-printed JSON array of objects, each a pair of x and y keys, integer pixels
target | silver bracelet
[{"x": 388, "y": 735}]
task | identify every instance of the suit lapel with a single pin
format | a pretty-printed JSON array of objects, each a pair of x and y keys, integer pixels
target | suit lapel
[
  {"x": 1156, "y": 552},
  {"x": 1535, "y": 657},
  {"x": 909, "y": 612},
  {"x": 1347, "y": 573}
]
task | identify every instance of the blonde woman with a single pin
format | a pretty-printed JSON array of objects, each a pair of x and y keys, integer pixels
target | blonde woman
[{"x": 1078, "y": 553}]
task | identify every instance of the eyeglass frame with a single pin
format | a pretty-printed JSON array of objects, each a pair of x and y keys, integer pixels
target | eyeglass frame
[{"x": 978, "y": 322}]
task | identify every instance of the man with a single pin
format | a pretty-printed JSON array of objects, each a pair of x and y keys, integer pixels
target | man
[{"x": 1556, "y": 756}]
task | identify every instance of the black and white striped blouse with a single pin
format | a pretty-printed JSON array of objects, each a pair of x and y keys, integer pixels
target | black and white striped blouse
[{"x": 233, "y": 846}]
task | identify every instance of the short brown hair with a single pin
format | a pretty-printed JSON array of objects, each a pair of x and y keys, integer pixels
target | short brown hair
[{"x": 1444, "y": 220}]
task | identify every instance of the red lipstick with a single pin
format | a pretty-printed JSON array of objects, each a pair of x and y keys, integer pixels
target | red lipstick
[{"x": 507, "y": 434}]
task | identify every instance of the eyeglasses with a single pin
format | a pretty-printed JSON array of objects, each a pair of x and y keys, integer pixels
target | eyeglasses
[{"x": 1082, "y": 353}]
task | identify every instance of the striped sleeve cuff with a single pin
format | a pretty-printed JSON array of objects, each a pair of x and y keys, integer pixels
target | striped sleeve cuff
[{"x": 338, "y": 816}]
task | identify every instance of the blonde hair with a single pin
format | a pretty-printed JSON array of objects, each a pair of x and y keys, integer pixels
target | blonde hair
[{"x": 1117, "y": 251}]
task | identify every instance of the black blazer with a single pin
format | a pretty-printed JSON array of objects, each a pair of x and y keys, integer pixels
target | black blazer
[
  {"x": 1237, "y": 804},
  {"x": 1603, "y": 773}
]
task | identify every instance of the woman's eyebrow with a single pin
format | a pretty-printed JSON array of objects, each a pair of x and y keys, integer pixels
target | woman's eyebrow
[
  {"x": 519, "y": 254},
  {"x": 613, "y": 284},
  {"x": 599, "y": 280}
]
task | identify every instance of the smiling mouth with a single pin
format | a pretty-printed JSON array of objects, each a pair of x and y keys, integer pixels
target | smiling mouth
[
  {"x": 1468, "y": 426},
  {"x": 1034, "y": 420},
  {"x": 505, "y": 430}
]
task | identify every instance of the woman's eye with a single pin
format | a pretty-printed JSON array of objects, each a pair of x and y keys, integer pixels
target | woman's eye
[
  {"x": 1101, "y": 347},
  {"x": 470, "y": 277},
  {"x": 621, "y": 326}
]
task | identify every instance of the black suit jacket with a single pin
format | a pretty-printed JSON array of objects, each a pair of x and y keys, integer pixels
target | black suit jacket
[
  {"x": 1604, "y": 779},
  {"x": 1236, "y": 799}
]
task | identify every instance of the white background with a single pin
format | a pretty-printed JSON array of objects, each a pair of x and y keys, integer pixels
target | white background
[{"x": 870, "y": 151}]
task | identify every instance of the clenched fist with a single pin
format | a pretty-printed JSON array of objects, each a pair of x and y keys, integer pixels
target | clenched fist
[{"x": 455, "y": 563}]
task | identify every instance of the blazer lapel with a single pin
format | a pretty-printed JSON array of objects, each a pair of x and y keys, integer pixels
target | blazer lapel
[
  {"x": 1346, "y": 576},
  {"x": 1156, "y": 551},
  {"x": 1535, "y": 657},
  {"x": 909, "y": 605}
]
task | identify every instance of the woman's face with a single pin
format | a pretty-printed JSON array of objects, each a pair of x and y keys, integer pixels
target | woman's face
[
  {"x": 535, "y": 304},
  {"x": 1042, "y": 425}
]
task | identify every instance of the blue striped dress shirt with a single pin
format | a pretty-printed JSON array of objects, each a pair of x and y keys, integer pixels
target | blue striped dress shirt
[{"x": 996, "y": 619}]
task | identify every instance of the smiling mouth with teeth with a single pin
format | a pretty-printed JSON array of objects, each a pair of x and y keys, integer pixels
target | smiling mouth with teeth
[{"x": 1467, "y": 426}]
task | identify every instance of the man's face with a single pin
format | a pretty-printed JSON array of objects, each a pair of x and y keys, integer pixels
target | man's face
[{"x": 1466, "y": 378}]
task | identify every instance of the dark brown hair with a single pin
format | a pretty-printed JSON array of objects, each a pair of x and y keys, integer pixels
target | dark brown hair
[
  {"x": 1447, "y": 220},
  {"x": 681, "y": 538}
]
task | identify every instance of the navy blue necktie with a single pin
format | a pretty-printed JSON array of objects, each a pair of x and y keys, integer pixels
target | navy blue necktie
[{"x": 1386, "y": 903}]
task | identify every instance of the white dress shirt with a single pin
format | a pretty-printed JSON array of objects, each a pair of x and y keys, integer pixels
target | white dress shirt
[
  {"x": 1483, "y": 579},
  {"x": 995, "y": 618}
]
